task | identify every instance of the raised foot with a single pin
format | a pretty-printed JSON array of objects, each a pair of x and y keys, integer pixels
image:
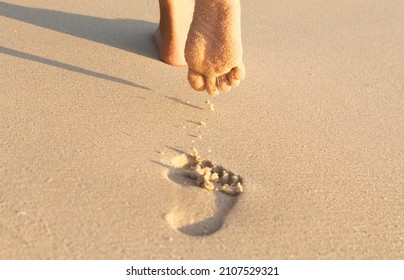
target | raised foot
[{"x": 213, "y": 49}]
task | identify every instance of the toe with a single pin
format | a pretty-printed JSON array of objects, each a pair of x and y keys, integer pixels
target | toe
[
  {"x": 211, "y": 87},
  {"x": 223, "y": 83},
  {"x": 236, "y": 75},
  {"x": 238, "y": 72},
  {"x": 196, "y": 80},
  {"x": 232, "y": 81}
]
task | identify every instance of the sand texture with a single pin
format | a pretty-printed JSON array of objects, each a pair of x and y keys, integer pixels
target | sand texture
[{"x": 91, "y": 120}]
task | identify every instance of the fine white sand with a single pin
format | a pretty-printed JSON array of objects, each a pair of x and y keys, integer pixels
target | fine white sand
[{"x": 90, "y": 121}]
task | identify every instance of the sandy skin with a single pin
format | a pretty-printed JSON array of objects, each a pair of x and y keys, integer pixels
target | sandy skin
[{"x": 209, "y": 42}]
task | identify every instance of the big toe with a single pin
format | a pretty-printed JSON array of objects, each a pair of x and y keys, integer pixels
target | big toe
[{"x": 196, "y": 80}]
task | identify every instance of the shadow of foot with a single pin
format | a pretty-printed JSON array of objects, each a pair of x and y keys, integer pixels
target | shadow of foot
[
  {"x": 68, "y": 67},
  {"x": 126, "y": 34}
]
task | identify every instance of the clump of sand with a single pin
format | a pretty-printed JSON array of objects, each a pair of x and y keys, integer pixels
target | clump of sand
[
  {"x": 207, "y": 175},
  {"x": 210, "y": 105}
]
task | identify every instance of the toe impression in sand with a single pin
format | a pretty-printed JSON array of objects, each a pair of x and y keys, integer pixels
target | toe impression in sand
[{"x": 207, "y": 175}]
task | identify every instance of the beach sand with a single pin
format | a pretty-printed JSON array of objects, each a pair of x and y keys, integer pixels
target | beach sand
[{"x": 92, "y": 125}]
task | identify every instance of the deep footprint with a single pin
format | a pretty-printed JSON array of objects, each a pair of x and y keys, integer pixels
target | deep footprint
[
  {"x": 207, "y": 175},
  {"x": 206, "y": 210}
]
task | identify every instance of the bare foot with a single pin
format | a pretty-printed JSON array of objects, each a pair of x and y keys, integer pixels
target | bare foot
[
  {"x": 213, "y": 49},
  {"x": 170, "y": 37}
]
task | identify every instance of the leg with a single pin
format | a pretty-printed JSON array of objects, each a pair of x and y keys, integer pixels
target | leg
[
  {"x": 170, "y": 37},
  {"x": 213, "y": 48}
]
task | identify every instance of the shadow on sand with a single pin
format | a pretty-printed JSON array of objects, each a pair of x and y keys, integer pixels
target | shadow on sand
[{"x": 127, "y": 34}]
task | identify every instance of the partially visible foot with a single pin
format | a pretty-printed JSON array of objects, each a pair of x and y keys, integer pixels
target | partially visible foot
[
  {"x": 170, "y": 37},
  {"x": 213, "y": 49}
]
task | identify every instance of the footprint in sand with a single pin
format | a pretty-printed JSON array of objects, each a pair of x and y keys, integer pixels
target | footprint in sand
[{"x": 202, "y": 211}]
